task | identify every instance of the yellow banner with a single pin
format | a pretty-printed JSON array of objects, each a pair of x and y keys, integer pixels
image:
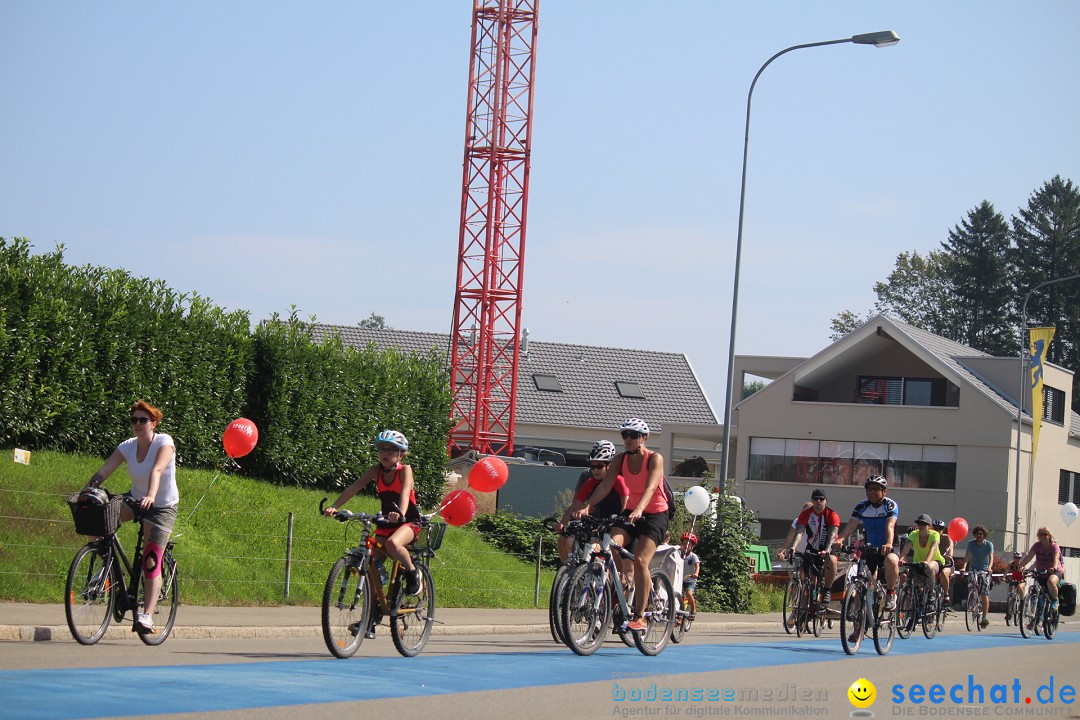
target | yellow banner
[{"x": 1040, "y": 343}]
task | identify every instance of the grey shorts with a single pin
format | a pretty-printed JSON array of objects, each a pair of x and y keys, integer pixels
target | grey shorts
[{"x": 157, "y": 522}]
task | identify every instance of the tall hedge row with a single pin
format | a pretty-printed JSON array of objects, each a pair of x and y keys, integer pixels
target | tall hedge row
[{"x": 79, "y": 344}]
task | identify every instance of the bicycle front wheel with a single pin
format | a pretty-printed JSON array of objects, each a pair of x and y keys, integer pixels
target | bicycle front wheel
[
  {"x": 346, "y": 608},
  {"x": 1050, "y": 623},
  {"x": 802, "y": 611},
  {"x": 971, "y": 610},
  {"x": 659, "y": 616},
  {"x": 90, "y": 594},
  {"x": 1028, "y": 626},
  {"x": 791, "y": 603},
  {"x": 586, "y": 614},
  {"x": 853, "y": 618},
  {"x": 930, "y": 615},
  {"x": 411, "y": 620},
  {"x": 558, "y": 594},
  {"x": 884, "y": 631},
  {"x": 167, "y": 603},
  {"x": 1012, "y": 609},
  {"x": 679, "y": 628}
]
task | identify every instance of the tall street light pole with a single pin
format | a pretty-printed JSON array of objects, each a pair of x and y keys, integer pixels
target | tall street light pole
[
  {"x": 1025, "y": 387},
  {"x": 885, "y": 38}
]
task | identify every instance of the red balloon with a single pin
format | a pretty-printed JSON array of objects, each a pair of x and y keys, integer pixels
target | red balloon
[
  {"x": 458, "y": 507},
  {"x": 488, "y": 475},
  {"x": 958, "y": 529},
  {"x": 240, "y": 437}
]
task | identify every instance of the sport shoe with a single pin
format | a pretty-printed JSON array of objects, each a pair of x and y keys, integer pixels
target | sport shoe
[
  {"x": 1053, "y": 604},
  {"x": 638, "y": 625},
  {"x": 984, "y": 623},
  {"x": 412, "y": 582},
  {"x": 890, "y": 600},
  {"x": 370, "y": 634},
  {"x": 144, "y": 625},
  {"x": 853, "y": 637}
]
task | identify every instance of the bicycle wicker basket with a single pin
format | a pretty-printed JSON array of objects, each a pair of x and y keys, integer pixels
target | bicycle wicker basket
[
  {"x": 96, "y": 520},
  {"x": 431, "y": 537}
]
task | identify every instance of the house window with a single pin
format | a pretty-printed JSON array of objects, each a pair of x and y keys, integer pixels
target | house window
[
  {"x": 877, "y": 390},
  {"x": 834, "y": 462},
  {"x": 1053, "y": 405},
  {"x": 1068, "y": 487},
  {"x": 547, "y": 383},
  {"x": 629, "y": 389}
]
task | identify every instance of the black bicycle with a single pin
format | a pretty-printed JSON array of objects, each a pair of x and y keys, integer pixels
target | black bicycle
[
  {"x": 1036, "y": 615},
  {"x": 103, "y": 584},
  {"x": 919, "y": 600}
]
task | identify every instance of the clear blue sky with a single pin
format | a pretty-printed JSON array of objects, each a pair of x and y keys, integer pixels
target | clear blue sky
[{"x": 268, "y": 154}]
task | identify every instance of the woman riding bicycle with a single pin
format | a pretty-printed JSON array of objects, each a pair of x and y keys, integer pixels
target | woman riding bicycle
[
  {"x": 151, "y": 464},
  {"x": 643, "y": 471},
  {"x": 394, "y": 485},
  {"x": 1048, "y": 563}
]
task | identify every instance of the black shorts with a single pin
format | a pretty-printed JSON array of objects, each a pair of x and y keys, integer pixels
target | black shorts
[
  {"x": 874, "y": 559},
  {"x": 650, "y": 525}
]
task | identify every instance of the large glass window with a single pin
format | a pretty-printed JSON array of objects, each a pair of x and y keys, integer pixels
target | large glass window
[
  {"x": 836, "y": 462},
  {"x": 877, "y": 390}
]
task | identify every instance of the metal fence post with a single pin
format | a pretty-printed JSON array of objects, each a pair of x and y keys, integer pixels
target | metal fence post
[
  {"x": 288, "y": 557},
  {"x": 539, "y": 554}
]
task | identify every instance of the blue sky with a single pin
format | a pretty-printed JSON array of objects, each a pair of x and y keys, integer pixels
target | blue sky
[{"x": 269, "y": 154}]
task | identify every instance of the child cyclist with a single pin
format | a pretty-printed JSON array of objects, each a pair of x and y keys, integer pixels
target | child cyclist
[{"x": 394, "y": 486}]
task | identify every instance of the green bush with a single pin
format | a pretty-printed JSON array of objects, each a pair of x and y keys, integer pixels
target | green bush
[
  {"x": 725, "y": 584},
  {"x": 518, "y": 535}
]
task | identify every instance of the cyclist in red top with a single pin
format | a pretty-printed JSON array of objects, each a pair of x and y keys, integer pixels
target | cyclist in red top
[
  {"x": 646, "y": 510},
  {"x": 599, "y": 458},
  {"x": 820, "y": 524},
  {"x": 394, "y": 484}
]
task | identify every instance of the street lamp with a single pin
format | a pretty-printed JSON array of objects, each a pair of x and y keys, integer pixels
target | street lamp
[
  {"x": 1025, "y": 386},
  {"x": 884, "y": 38}
]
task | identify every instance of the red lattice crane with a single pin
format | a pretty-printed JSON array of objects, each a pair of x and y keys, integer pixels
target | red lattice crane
[{"x": 484, "y": 344}]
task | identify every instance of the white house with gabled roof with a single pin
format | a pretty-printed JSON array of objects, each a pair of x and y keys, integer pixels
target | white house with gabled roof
[{"x": 936, "y": 417}]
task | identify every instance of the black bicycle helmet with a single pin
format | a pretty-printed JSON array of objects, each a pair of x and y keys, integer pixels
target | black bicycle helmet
[{"x": 93, "y": 497}]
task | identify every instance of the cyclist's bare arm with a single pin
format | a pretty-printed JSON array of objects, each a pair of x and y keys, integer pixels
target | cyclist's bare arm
[
  {"x": 348, "y": 492},
  {"x": 114, "y": 461}
]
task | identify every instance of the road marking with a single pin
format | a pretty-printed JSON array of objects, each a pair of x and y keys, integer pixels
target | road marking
[{"x": 74, "y": 693}]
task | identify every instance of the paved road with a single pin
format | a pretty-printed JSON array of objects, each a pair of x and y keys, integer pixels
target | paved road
[{"x": 525, "y": 675}]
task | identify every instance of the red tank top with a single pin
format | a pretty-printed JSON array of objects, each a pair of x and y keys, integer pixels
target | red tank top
[
  {"x": 391, "y": 494},
  {"x": 636, "y": 484}
]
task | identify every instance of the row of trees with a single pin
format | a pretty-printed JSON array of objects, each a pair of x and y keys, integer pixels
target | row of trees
[
  {"x": 78, "y": 345},
  {"x": 972, "y": 289}
]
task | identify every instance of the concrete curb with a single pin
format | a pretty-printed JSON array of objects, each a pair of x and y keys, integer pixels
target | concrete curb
[{"x": 60, "y": 633}]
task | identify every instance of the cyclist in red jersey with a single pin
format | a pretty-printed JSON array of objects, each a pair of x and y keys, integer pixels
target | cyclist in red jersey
[
  {"x": 820, "y": 524},
  {"x": 394, "y": 485}
]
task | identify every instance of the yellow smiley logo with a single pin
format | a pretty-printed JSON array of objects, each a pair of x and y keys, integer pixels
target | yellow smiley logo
[{"x": 862, "y": 693}]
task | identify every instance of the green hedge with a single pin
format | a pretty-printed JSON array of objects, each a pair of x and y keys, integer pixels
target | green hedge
[{"x": 79, "y": 344}]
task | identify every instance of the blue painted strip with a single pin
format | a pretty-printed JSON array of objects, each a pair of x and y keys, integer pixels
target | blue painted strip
[{"x": 74, "y": 693}]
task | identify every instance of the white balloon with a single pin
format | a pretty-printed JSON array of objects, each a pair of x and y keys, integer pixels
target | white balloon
[
  {"x": 1068, "y": 513},
  {"x": 697, "y": 500}
]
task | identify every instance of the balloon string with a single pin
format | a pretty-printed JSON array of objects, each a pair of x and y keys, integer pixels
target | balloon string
[{"x": 207, "y": 490}]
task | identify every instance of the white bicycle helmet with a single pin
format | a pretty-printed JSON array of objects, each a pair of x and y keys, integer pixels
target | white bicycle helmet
[
  {"x": 392, "y": 437},
  {"x": 602, "y": 451},
  {"x": 876, "y": 480},
  {"x": 635, "y": 424}
]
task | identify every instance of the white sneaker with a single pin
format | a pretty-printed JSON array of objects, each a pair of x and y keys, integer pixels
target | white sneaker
[
  {"x": 890, "y": 601},
  {"x": 144, "y": 624}
]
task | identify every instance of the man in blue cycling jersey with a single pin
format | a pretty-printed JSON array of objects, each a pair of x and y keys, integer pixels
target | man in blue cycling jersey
[{"x": 878, "y": 514}]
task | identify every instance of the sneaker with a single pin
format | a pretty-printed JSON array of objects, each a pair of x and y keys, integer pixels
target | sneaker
[
  {"x": 370, "y": 634},
  {"x": 853, "y": 637},
  {"x": 638, "y": 625},
  {"x": 890, "y": 600},
  {"x": 1053, "y": 604},
  {"x": 412, "y": 582},
  {"x": 984, "y": 623},
  {"x": 692, "y": 616},
  {"x": 144, "y": 625}
]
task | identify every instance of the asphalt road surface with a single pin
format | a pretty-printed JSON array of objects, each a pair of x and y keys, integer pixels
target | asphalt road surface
[{"x": 756, "y": 673}]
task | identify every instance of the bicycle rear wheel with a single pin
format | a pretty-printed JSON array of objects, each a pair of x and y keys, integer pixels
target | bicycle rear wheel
[
  {"x": 89, "y": 595},
  {"x": 659, "y": 616},
  {"x": 586, "y": 615},
  {"x": 853, "y": 618},
  {"x": 346, "y": 608},
  {"x": 1027, "y": 615},
  {"x": 168, "y": 602},
  {"x": 791, "y": 602},
  {"x": 413, "y": 616}
]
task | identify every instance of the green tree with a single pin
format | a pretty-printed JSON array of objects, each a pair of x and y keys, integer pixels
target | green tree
[
  {"x": 1047, "y": 246},
  {"x": 844, "y": 323},
  {"x": 977, "y": 267},
  {"x": 374, "y": 322},
  {"x": 918, "y": 292},
  {"x": 725, "y": 573}
]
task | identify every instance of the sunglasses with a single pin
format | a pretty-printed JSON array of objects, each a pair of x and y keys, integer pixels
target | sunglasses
[
  {"x": 139, "y": 420},
  {"x": 630, "y": 435},
  {"x": 600, "y": 466}
]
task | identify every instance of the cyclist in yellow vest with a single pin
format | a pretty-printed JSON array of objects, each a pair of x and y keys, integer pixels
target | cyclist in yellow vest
[{"x": 924, "y": 544}]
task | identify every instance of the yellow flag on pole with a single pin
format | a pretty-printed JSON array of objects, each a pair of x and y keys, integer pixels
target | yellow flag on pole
[{"x": 1040, "y": 343}]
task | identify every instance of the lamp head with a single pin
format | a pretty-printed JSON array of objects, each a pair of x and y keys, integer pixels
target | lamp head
[{"x": 883, "y": 38}]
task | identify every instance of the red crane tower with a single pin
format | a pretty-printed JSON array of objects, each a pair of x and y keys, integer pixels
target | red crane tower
[{"x": 484, "y": 344}]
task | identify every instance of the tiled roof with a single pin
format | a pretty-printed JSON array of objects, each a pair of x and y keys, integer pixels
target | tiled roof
[{"x": 587, "y": 375}]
